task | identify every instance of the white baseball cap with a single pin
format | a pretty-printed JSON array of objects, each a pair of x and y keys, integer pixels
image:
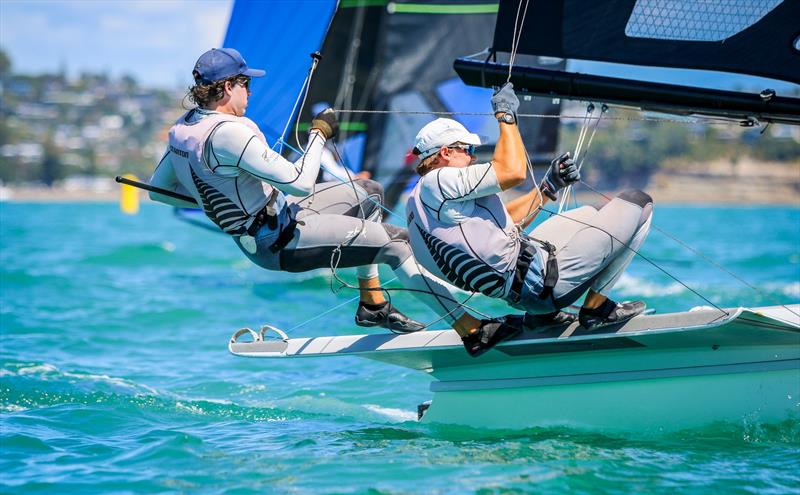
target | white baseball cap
[{"x": 442, "y": 132}]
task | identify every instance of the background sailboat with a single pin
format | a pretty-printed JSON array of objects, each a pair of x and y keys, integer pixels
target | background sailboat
[{"x": 386, "y": 66}]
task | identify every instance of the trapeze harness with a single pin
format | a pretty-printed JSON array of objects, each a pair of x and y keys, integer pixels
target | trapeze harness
[
  {"x": 228, "y": 196},
  {"x": 526, "y": 253},
  {"x": 460, "y": 230}
]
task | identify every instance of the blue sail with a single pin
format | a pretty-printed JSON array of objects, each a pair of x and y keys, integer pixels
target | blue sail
[{"x": 278, "y": 36}]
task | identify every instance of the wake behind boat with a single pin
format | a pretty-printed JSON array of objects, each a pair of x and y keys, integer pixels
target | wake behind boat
[{"x": 654, "y": 373}]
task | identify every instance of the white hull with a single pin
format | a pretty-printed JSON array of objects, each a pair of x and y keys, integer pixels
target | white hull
[
  {"x": 630, "y": 403},
  {"x": 653, "y": 374}
]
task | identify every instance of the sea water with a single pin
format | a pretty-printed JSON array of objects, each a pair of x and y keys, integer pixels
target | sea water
[{"x": 115, "y": 376}]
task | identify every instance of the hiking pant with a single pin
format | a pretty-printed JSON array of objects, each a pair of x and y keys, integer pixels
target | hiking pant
[
  {"x": 339, "y": 224},
  {"x": 593, "y": 248}
]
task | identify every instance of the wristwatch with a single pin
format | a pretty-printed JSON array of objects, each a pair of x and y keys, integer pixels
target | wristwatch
[{"x": 507, "y": 118}]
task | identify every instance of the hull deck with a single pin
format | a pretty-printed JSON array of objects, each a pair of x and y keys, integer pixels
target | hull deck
[{"x": 668, "y": 371}]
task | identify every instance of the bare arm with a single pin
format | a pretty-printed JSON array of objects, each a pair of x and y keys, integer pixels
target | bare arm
[
  {"x": 522, "y": 206},
  {"x": 509, "y": 159}
]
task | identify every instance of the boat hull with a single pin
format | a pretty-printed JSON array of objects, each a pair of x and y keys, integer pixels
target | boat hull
[
  {"x": 654, "y": 373},
  {"x": 643, "y": 406}
]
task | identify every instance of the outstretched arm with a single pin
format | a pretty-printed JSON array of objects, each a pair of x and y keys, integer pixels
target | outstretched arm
[
  {"x": 508, "y": 160},
  {"x": 234, "y": 145}
]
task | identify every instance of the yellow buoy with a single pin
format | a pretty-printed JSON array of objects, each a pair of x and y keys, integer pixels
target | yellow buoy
[{"x": 129, "y": 197}]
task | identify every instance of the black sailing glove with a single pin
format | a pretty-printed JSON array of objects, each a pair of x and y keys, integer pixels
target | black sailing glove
[
  {"x": 326, "y": 123},
  {"x": 504, "y": 100},
  {"x": 562, "y": 172}
]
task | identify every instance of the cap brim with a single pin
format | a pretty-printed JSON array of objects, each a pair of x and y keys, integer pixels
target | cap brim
[
  {"x": 254, "y": 72},
  {"x": 471, "y": 138}
]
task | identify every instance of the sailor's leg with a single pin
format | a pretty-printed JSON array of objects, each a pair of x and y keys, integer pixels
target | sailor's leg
[
  {"x": 362, "y": 198},
  {"x": 597, "y": 253},
  {"x": 609, "y": 276},
  {"x": 559, "y": 229},
  {"x": 359, "y": 243}
]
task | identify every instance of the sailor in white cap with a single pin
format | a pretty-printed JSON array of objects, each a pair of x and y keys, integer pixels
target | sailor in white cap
[
  {"x": 461, "y": 231},
  {"x": 222, "y": 160}
]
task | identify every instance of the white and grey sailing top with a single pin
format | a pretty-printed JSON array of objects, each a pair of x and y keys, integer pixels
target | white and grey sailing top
[
  {"x": 224, "y": 162},
  {"x": 460, "y": 231}
]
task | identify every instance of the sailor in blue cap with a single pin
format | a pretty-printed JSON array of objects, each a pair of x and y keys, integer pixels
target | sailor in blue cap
[{"x": 270, "y": 206}]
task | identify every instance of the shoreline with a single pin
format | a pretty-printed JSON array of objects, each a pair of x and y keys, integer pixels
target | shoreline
[
  {"x": 718, "y": 182},
  {"x": 673, "y": 195}
]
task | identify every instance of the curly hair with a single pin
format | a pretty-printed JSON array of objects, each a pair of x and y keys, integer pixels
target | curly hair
[{"x": 204, "y": 95}]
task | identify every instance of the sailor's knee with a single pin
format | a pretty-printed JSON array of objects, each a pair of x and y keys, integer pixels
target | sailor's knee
[
  {"x": 372, "y": 188},
  {"x": 394, "y": 232},
  {"x": 395, "y": 253},
  {"x": 637, "y": 197}
]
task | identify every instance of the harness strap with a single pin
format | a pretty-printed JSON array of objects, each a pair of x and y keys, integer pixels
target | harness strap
[
  {"x": 270, "y": 206},
  {"x": 526, "y": 254},
  {"x": 266, "y": 215},
  {"x": 551, "y": 269},
  {"x": 285, "y": 237}
]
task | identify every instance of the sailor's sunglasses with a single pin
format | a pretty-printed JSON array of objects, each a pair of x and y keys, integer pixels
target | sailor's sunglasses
[
  {"x": 467, "y": 148},
  {"x": 243, "y": 81}
]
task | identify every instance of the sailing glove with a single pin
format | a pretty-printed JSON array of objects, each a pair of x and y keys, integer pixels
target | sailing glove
[
  {"x": 562, "y": 172},
  {"x": 504, "y": 100},
  {"x": 326, "y": 123}
]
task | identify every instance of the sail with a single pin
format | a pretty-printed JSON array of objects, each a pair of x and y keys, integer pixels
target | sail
[
  {"x": 278, "y": 36},
  {"x": 755, "y": 37},
  {"x": 395, "y": 58}
]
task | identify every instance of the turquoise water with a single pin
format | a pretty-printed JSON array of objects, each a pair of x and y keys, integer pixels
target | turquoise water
[{"x": 115, "y": 375}]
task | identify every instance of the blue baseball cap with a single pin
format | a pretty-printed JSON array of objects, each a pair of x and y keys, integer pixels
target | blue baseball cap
[{"x": 221, "y": 63}]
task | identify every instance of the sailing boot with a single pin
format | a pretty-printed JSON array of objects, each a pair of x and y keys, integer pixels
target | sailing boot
[
  {"x": 535, "y": 322},
  {"x": 490, "y": 333},
  {"x": 387, "y": 316},
  {"x": 609, "y": 313}
]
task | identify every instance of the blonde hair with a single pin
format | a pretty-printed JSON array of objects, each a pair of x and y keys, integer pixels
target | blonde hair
[{"x": 425, "y": 164}]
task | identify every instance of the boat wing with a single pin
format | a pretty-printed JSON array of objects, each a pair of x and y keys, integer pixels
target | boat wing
[{"x": 776, "y": 325}]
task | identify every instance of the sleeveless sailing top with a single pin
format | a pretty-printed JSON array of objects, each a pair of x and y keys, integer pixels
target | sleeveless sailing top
[
  {"x": 231, "y": 197},
  {"x": 460, "y": 231}
]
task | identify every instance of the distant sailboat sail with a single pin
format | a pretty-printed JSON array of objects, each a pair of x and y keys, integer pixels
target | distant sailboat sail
[
  {"x": 278, "y": 36},
  {"x": 377, "y": 56}
]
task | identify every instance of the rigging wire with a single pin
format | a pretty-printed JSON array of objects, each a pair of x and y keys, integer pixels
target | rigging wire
[
  {"x": 336, "y": 254},
  {"x": 580, "y": 158},
  {"x": 301, "y": 100},
  {"x": 684, "y": 121},
  {"x": 516, "y": 37}
]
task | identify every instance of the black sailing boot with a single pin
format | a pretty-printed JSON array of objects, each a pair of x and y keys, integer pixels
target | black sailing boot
[
  {"x": 491, "y": 333},
  {"x": 609, "y": 313},
  {"x": 534, "y": 322},
  {"x": 386, "y": 316}
]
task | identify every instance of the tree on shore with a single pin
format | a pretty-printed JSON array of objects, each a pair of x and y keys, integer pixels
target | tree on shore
[{"x": 52, "y": 168}]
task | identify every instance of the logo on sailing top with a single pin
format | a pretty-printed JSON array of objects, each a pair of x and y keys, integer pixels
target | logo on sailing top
[
  {"x": 461, "y": 269},
  {"x": 179, "y": 152}
]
